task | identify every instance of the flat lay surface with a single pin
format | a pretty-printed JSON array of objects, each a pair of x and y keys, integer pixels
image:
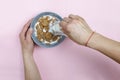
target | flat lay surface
[{"x": 67, "y": 61}]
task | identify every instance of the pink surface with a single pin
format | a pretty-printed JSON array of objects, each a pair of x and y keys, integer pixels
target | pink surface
[{"x": 68, "y": 61}]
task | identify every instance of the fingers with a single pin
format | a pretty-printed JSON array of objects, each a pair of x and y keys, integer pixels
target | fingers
[
  {"x": 71, "y": 16},
  {"x": 69, "y": 19},
  {"x": 66, "y": 19},
  {"x": 24, "y": 30},
  {"x": 63, "y": 23},
  {"x": 29, "y": 34},
  {"x": 80, "y": 18}
]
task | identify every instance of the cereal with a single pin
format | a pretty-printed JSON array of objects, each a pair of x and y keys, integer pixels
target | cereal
[
  {"x": 43, "y": 27},
  {"x": 39, "y": 32},
  {"x": 39, "y": 37},
  {"x": 37, "y": 27},
  {"x": 55, "y": 38},
  {"x": 46, "y": 29},
  {"x": 48, "y": 36}
]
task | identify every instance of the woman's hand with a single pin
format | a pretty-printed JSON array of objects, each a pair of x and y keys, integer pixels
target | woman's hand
[
  {"x": 25, "y": 39},
  {"x": 76, "y": 28},
  {"x": 79, "y": 31}
]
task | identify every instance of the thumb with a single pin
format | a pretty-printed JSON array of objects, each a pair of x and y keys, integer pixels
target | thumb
[
  {"x": 29, "y": 34},
  {"x": 64, "y": 26}
]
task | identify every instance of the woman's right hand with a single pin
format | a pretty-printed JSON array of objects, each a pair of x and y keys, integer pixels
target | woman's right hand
[{"x": 76, "y": 28}]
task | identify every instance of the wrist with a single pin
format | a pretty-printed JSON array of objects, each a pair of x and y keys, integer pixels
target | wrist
[
  {"x": 27, "y": 53},
  {"x": 94, "y": 41},
  {"x": 91, "y": 35},
  {"x": 27, "y": 56}
]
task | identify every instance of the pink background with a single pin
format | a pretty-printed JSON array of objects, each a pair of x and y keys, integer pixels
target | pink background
[{"x": 68, "y": 61}]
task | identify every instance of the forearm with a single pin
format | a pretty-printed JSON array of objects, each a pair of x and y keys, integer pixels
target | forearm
[
  {"x": 105, "y": 45},
  {"x": 30, "y": 68}
]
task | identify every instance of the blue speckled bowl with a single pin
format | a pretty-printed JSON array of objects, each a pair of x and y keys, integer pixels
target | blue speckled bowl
[{"x": 35, "y": 38}]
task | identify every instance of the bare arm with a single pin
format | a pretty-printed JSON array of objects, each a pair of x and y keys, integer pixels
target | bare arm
[
  {"x": 79, "y": 31},
  {"x": 30, "y": 68},
  {"x": 105, "y": 45}
]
